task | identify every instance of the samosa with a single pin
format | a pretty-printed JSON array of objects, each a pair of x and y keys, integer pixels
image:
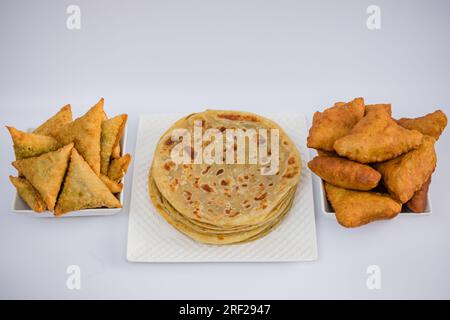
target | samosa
[
  {"x": 28, "y": 145},
  {"x": 28, "y": 194},
  {"x": 85, "y": 133},
  {"x": 53, "y": 125},
  {"x": 46, "y": 172},
  {"x": 111, "y": 132},
  {"x": 118, "y": 167},
  {"x": 83, "y": 189}
]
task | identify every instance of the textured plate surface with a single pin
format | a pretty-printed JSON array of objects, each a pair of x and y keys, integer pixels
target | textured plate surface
[{"x": 152, "y": 239}]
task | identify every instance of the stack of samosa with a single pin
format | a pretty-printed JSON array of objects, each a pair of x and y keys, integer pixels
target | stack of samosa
[
  {"x": 360, "y": 146},
  {"x": 68, "y": 165}
]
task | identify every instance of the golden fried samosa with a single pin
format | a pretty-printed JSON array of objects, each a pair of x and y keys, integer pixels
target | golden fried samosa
[
  {"x": 85, "y": 133},
  {"x": 46, "y": 172},
  {"x": 83, "y": 189},
  {"x": 113, "y": 186},
  {"x": 111, "y": 132},
  {"x": 118, "y": 167},
  {"x": 62, "y": 118},
  {"x": 28, "y": 194},
  {"x": 28, "y": 145}
]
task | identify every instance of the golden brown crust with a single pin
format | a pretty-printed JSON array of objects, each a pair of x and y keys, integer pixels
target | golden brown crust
[
  {"x": 111, "y": 132},
  {"x": 356, "y": 208},
  {"x": 405, "y": 175},
  {"x": 334, "y": 123},
  {"x": 377, "y": 137},
  {"x": 85, "y": 132},
  {"x": 118, "y": 168},
  {"x": 113, "y": 186},
  {"x": 324, "y": 153},
  {"x": 51, "y": 127},
  {"x": 83, "y": 189},
  {"x": 28, "y": 145},
  {"x": 29, "y": 194},
  {"x": 432, "y": 124},
  {"x": 418, "y": 202},
  {"x": 385, "y": 106},
  {"x": 345, "y": 173},
  {"x": 116, "y": 152},
  {"x": 46, "y": 172}
]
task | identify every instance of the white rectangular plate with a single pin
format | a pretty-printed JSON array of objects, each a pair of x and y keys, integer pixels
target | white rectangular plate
[
  {"x": 20, "y": 207},
  {"x": 152, "y": 239}
]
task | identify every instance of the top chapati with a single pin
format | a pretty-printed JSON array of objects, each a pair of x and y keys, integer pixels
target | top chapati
[{"x": 225, "y": 195}]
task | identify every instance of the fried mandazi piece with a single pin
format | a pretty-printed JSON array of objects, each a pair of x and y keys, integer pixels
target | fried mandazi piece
[
  {"x": 85, "y": 132},
  {"x": 385, "y": 106},
  {"x": 432, "y": 124},
  {"x": 321, "y": 153},
  {"x": 46, "y": 172},
  {"x": 51, "y": 127},
  {"x": 334, "y": 123},
  {"x": 83, "y": 189},
  {"x": 113, "y": 186},
  {"x": 405, "y": 175},
  {"x": 118, "y": 168},
  {"x": 377, "y": 137},
  {"x": 116, "y": 152},
  {"x": 418, "y": 202},
  {"x": 356, "y": 208},
  {"x": 111, "y": 132},
  {"x": 345, "y": 173},
  {"x": 28, "y": 145},
  {"x": 28, "y": 194}
]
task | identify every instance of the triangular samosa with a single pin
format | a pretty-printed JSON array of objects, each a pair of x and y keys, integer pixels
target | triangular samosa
[
  {"x": 118, "y": 167},
  {"x": 46, "y": 172},
  {"x": 28, "y": 194},
  {"x": 111, "y": 133},
  {"x": 85, "y": 133},
  {"x": 83, "y": 189},
  {"x": 28, "y": 145},
  {"x": 113, "y": 186},
  {"x": 56, "y": 123}
]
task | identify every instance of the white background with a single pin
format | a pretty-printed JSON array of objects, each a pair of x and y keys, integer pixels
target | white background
[{"x": 149, "y": 57}]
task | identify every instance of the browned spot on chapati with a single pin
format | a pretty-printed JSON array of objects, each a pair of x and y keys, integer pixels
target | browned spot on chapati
[
  {"x": 261, "y": 197},
  {"x": 207, "y": 187},
  {"x": 238, "y": 117}
]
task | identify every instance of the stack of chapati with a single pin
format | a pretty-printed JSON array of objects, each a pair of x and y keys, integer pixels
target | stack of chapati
[{"x": 224, "y": 203}]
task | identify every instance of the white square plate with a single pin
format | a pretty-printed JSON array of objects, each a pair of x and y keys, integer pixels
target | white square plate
[
  {"x": 152, "y": 239},
  {"x": 20, "y": 207}
]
